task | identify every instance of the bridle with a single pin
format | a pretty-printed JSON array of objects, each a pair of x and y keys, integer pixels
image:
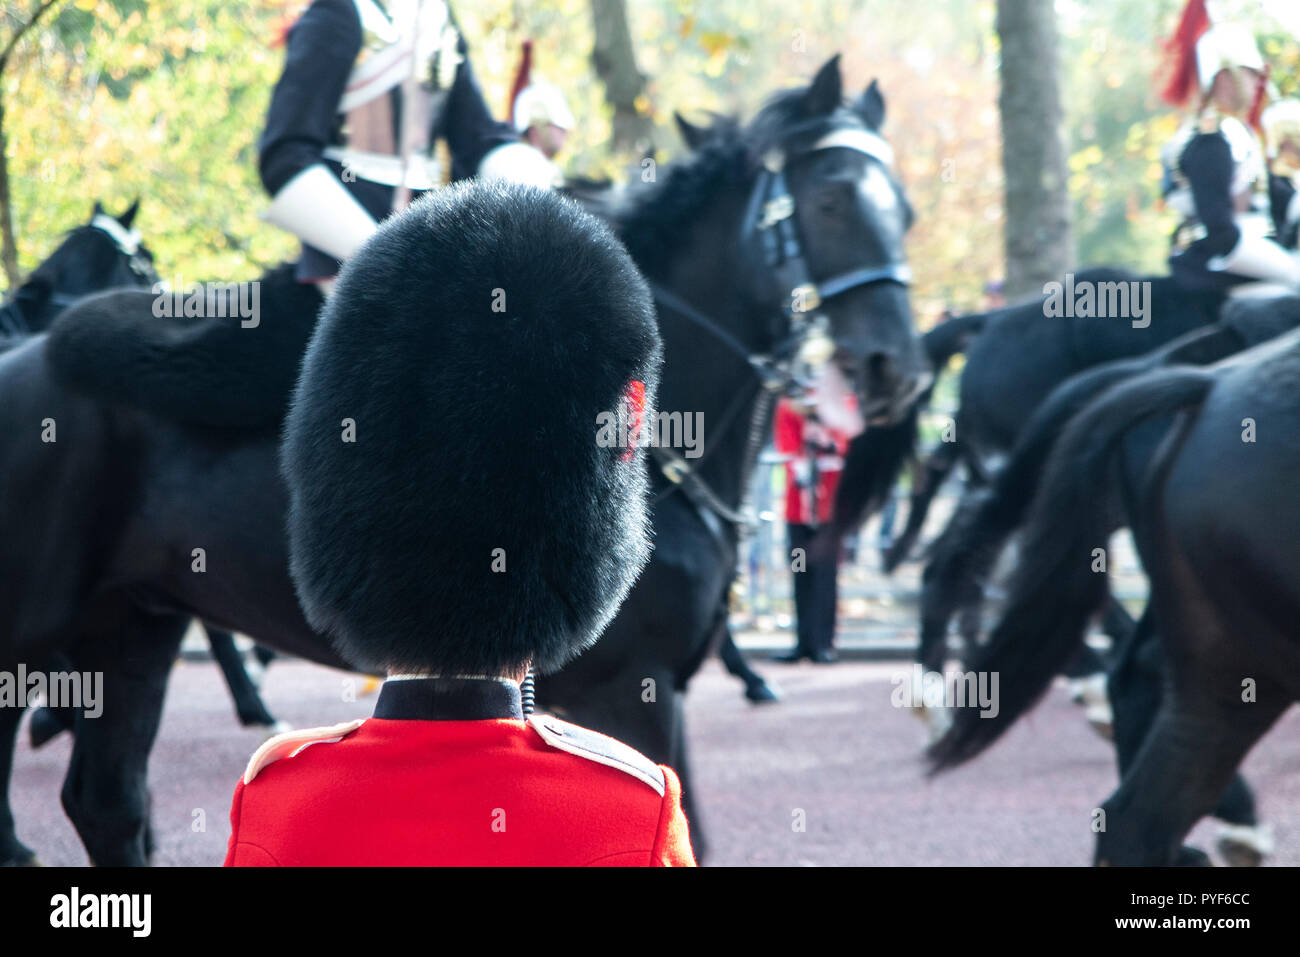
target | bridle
[
  {"x": 128, "y": 242},
  {"x": 769, "y": 223}
]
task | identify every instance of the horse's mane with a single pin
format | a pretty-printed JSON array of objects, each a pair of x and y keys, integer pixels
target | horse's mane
[{"x": 650, "y": 217}]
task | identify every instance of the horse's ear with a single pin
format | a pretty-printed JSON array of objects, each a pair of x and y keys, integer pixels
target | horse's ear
[
  {"x": 692, "y": 135},
  {"x": 129, "y": 216},
  {"x": 826, "y": 92},
  {"x": 97, "y": 211},
  {"x": 871, "y": 106}
]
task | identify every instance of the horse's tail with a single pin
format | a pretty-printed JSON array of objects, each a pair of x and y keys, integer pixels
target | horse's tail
[
  {"x": 949, "y": 338},
  {"x": 1054, "y": 590},
  {"x": 962, "y": 557}
]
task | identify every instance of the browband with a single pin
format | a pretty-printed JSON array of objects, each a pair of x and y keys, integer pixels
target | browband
[{"x": 864, "y": 141}]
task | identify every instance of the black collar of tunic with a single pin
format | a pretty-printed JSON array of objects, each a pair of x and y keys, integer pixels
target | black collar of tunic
[{"x": 449, "y": 699}]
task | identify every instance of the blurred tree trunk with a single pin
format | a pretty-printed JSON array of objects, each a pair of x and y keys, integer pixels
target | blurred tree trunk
[
  {"x": 614, "y": 58},
  {"x": 9, "y": 254},
  {"x": 1039, "y": 244}
]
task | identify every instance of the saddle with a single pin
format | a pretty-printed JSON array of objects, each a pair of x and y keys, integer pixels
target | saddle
[{"x": 224, "y": 365}]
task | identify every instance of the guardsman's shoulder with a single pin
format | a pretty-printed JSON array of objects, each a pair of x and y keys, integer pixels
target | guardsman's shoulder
[
  {"x": 600, "y": 748},
  {"x": 291, "y": 742}
]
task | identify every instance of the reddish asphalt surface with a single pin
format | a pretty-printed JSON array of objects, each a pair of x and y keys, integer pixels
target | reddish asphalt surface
[{"x": 835, "y": 749}]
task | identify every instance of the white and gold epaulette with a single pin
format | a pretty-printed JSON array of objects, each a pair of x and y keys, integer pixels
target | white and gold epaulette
[
  {"x": 597, "y": 747},
  {"x": 291, "y": 742}
]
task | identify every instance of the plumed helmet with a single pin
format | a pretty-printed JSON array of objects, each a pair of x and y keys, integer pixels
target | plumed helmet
[
  {"x": 540, "y": 103},
  {"x": 456, "y": 505},
  {"x": 1281, "y": 121},
  {"x": 1226, "y": 46}
]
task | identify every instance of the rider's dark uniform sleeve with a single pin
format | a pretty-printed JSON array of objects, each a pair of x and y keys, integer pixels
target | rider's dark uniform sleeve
[
  {"x": 467, "y": 123},
  {"x": 1207, "y": 164},
  {"x": 321, "y": 50}
]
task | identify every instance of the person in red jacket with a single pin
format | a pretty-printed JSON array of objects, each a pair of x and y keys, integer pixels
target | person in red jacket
[
  {"x": 458, "y": 517},
  {"x": 812, "y": 475}
]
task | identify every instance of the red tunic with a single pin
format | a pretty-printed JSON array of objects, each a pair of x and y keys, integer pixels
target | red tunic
[
  {"x": 490, "y": 791},
  {"x": 791, "y": 437}
]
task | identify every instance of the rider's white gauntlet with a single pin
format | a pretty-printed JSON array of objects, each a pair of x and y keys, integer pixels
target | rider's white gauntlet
[{"x": 320, "y": 211}]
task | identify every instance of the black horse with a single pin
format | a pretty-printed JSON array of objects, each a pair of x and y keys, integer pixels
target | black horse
[
  {"x": 99, "y": 255},
  {"x": 107, "y": 253},
  {"x": 1215, "y": 525},
  {"x": 1019, "y": 354},
  {"x": 962, "y": 558},
  {"x": 163, "y": 491}
]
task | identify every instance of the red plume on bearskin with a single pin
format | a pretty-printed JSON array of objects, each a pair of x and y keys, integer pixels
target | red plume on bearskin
[
  {"x": 634, "y": 409},
  {"x": 522, "y": 77},
  {"x": 1179, "y": 66}
]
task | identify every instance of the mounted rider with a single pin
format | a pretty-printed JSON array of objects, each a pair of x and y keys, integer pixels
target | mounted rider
[
  {"x": 1215, "y": 171},
  {"x": 365, "y": 94},
  {"x": 1281, "y": 123},
  {"x": 539, "y": 113}
]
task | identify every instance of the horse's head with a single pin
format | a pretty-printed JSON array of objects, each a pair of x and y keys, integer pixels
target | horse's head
[
  {"x": 103, "y": 254},
  {"x": 824, "y": 236},
  {"x": 100, "y": 255}
]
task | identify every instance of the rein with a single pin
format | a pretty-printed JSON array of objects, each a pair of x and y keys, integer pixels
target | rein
[{"x": 769, "y": 218}]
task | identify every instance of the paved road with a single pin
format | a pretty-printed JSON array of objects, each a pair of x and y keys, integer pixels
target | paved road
[{"x": 835, "y": 750}]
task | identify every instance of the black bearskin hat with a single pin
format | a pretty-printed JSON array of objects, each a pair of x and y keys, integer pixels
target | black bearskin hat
[{"x": 454, "y": 509}]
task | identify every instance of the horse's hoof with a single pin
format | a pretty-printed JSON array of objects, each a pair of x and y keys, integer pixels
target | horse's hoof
[
  {"x": 255, "y": 670},
  {"x": 937, "y": 721},
  {"x": 280, "y": 727},
  {"x": 1244, "y": 845},
  {"x": 1089, "y": 689},
  {"x": 1091, "y": 693},
  {"x": 43, "y": 728},
  {"x": 1192, "y": 857},
  {"x": 1104, "y": 726},
  {"x": 762, "y": 693},
  {"x": 21, "y": 857}
]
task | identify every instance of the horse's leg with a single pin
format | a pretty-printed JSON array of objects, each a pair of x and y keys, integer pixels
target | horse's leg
[
  {"x": 48, "y": 721},
  {"x": 927, "y": 483},
  {"x": 1136, "y": 687},
  {"x": 1086, "y": 671},
  {"x": 932, "y": 655},
  {"x": 1181, "y": 771},
  {"x": 682, "y": 765},
  {"x": 13, "y": 852},
  {"x": 105, "y": 793},
  {"x": 250, "y": 708},
  {"x": 757, "y": 688}
]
